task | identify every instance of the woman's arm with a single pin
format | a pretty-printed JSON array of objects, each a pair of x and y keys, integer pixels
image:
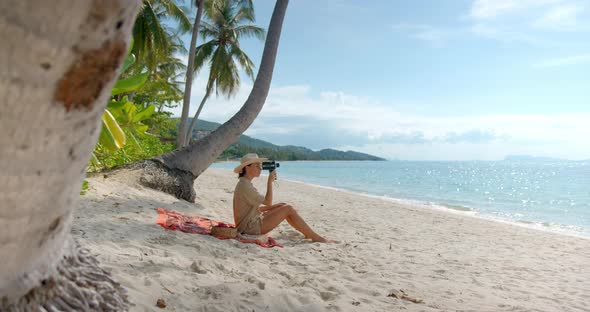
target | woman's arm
[
  {"x": 268, "y": 198},
  {"x": 265, "y": 208},
  {"x": 235, "y": 212}
]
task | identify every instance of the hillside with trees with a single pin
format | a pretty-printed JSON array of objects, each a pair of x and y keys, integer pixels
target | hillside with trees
[{"x": 247, "y": 144}]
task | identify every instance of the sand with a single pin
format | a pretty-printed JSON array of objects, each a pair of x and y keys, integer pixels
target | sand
[{"x": 390, "y": 254}]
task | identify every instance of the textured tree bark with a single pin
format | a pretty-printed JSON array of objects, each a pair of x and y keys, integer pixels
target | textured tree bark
[
  {"x": 189, "y": 77},
  {"x": 58, "y": 62},
  {"x": 195, "y": 158}
]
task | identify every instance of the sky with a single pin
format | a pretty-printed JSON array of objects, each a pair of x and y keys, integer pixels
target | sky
[{"x": 424, "y": 80}]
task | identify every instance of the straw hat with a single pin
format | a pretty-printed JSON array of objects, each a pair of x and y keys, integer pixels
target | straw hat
[{"x": 248, "y": 159}]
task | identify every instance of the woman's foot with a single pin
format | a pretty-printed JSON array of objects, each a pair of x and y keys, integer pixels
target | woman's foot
[{"x": 320, "y": 239}]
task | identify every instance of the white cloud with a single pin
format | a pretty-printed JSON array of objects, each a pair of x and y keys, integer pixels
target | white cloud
[
  {"x": 293, "y": 111},
  {"x": 482, "y": 9},
  {"x": 527, "y": 20},
  {"x": 496, "y": 32},
  {"x": 427, "y": 33},
  {"x": 562, "y": 17},
  {"x": 490, "y": 9},
  {"x": 470, "y": 151},
  {"x": 564, "y": 61},
  {"x": 216, "y": 108},
  {"x": 507, "y": 21}
]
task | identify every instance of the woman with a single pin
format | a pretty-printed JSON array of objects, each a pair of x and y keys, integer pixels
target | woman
[{"x": 255, "y": 214}]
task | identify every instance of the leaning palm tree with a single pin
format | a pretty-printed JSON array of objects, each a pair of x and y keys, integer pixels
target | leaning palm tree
[
  {"x": 176, "y": 171},
  {"x": 182, "y": 131},
  {"x": 51, "y": 100},
  {"x": 225, "y": 25}
]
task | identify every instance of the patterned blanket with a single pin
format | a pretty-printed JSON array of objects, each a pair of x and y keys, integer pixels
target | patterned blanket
[{"x": 176, "y": 221}]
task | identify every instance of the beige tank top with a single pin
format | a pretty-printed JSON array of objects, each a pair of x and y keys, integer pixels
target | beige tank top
[{"x": 246, "y": 203}]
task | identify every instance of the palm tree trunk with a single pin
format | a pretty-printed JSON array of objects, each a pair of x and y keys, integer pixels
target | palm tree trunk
[
  {"x": 189, "y": 134},
  {"x": 59, "y": 61},
  {"x": 189, "y": 77},
  {"x": 195, "y": 158}
]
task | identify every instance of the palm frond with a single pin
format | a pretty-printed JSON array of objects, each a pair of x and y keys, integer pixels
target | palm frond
[
  {"x": 177, "y": 13},
  {"x": 207, "y": 30},
  {"x": 214, "y": 9},
  {"x": 244, "y": 13},
  {"x": 203, "y": 53},
  {"x": 221, "y": 72},
  {"x": 229, "y": 81},
  {"x": 244, "y": 61},
  {"x": 250, "y": 31},
  {"x": 149, "y": 36}
]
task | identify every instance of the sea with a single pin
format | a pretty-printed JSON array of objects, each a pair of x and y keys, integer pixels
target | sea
[{"x": 547, "y": 195}]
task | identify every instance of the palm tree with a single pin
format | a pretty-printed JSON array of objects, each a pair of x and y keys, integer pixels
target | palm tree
[
  {"x": 225, "y": 26},
  {"x": 64, "y": 94},
  {"x": 164, "y": 86},
  {"x": 182, "y": 131},
  {"x": 153, "y": 41},
  {"x": 189, "y": 75},
  {"x": 156, "y": 47},
  {"x": 175, "y": 171}
]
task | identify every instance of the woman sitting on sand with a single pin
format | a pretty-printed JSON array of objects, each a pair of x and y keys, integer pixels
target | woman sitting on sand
[{"x": 255, "y": 214}]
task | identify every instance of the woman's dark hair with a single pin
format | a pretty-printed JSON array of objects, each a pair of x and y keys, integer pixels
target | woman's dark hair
[{"x": 243, "y": 172}]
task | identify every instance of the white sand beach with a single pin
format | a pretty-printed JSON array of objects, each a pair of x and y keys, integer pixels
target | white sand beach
[{"x": 452, "y": 262}]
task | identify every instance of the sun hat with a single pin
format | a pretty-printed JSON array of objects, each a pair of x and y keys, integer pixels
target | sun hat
[{"x": 248, "y": 159}]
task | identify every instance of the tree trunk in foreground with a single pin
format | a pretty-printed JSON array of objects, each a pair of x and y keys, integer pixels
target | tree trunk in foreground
[
  {"x": 176, "y": 171},
  {"x": 58, "y": 62},
  {"x": 186, "y": 103}
]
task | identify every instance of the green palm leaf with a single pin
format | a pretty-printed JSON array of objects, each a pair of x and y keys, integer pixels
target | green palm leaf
[
  {"x": 203, "y": 53},
  {"x": 129, "y": 60},
  {"x": 111, "y": 136},
  {"x": 144, "y": 114},
  {"x": 177, "y": 13},
  {"x": 151, "y": 39},
  {"x": 248, "y": 31},
  {"x": 129, "y": 84},
  {"x": 244, "y": 61}
]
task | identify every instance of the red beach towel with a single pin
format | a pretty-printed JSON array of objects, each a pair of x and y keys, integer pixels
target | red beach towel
[{"x": 176, "y": 221}]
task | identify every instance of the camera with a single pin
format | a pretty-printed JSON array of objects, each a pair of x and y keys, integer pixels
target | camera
[{"x": 270, "y": 165}]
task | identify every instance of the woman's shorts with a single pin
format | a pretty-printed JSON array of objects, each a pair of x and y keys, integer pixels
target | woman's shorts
[{"x": 253, "y": 227}]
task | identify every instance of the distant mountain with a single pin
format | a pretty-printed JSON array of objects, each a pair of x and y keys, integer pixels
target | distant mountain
[
  {"x": 247, "y": 144},
  {"x": 530, "y": 158}
]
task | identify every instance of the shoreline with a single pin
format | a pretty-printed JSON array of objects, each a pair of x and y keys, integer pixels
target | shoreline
[
  {"x": 420, "y": 204},
  {"x": 450, "y": 261}
]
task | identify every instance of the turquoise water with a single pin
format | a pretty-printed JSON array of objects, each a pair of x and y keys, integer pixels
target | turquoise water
[{"x": 548, "y": 195}]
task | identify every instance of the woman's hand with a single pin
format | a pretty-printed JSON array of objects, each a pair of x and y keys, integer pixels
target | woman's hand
[{"x": 272, "y": 176}]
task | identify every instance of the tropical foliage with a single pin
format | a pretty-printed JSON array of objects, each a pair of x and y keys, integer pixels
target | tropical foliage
[
  {"x": 154, "y": 41},
  {"x": 135, "y": 124},
  {"x": 149, "y": 83},
  {"x": 122, "y": 119},
  {"x": 158, "y": 48}
]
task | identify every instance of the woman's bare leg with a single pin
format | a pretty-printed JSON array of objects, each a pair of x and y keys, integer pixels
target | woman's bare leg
[{"x": 286, "y": 212}]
